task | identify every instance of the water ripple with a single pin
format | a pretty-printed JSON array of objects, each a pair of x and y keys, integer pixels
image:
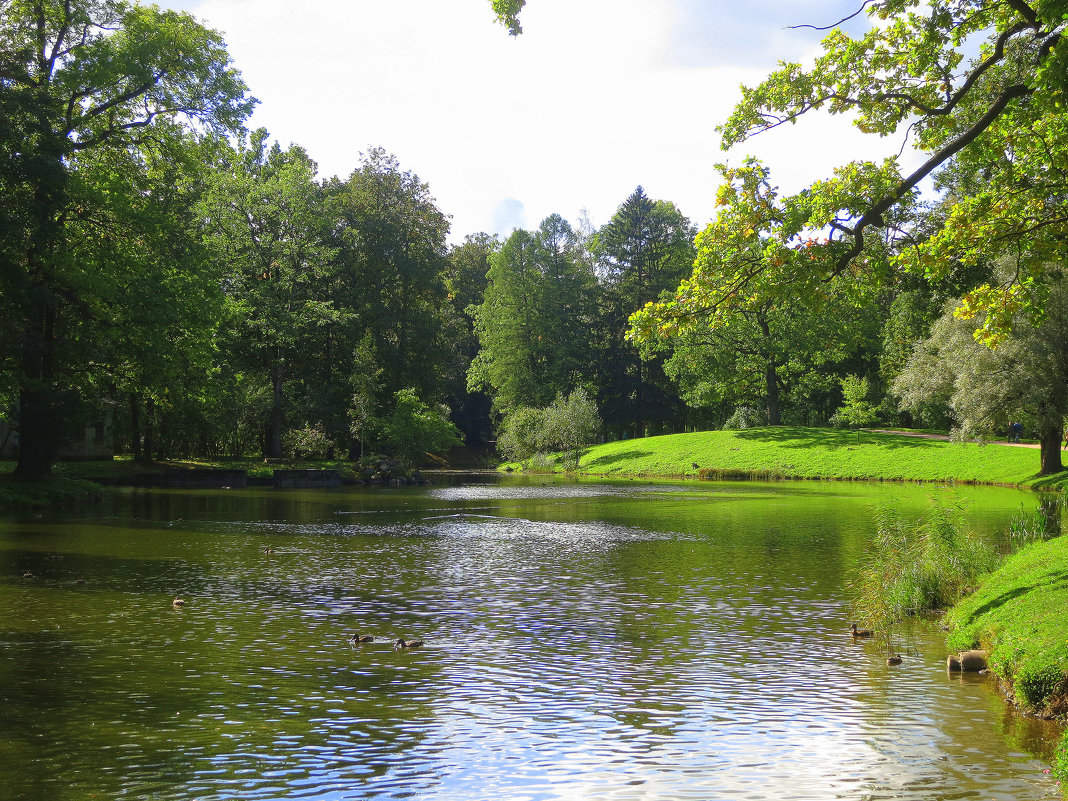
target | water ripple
[{"x": 572, "y": 651}]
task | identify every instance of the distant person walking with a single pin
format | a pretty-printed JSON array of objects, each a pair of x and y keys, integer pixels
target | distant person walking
[{"x": 1015, "y": 430}]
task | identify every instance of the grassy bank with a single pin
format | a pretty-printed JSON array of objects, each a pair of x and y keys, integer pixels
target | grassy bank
[
  {"x": 1019, "y": 615},
  {"x": 818, "y": 453}
]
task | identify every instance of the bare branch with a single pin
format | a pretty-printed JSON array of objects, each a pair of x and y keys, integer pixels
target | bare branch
[{"x": 863, "y": 6}]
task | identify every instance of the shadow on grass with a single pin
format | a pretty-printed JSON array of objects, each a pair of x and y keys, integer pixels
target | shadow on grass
[
  {"x": 1053, "y": 580},
  {"x": 833, "y": 438},
  {"x": 1056, "y": 481},
  {"x": 604, "y": 461}
]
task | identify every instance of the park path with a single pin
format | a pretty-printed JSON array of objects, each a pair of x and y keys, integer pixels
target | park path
[{"x": 944, "y": 437}]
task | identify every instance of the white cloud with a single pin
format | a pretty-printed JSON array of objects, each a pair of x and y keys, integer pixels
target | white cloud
[{"x": 572, "y": 115}]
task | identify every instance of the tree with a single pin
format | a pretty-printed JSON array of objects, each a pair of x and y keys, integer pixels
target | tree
[
  {"x": 414, "y": 428},
  {"x": 392, "y": 257},
  {"x": 507, "y": 12},
  {"x": 1025, "y": 377},
  {"x": 856, "y": 410},
  {"x": 999, "y": 116},
  {"x": 264, "y": 218},
  {"x": 570, "y": 423},
  {"x": 466, "y": 282},
  {"x": 642, "y": 252},
  {"x": 534, "y": 324},
  {"x": 83, "y": 78},
  {"x": 567, "y": 425},
  {"x": 772, "y": 357}
]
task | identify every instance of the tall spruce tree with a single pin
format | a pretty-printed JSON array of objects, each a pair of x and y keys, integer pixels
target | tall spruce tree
[{"x": 642, "y": 252}]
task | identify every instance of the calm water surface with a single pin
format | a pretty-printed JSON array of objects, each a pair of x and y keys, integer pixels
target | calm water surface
[{"x": 583, "y": 641}]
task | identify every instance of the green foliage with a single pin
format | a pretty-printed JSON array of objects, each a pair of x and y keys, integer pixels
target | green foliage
[
  {"x": 1060, "y": 760},
  {"x": 918, "y": 567},
  {"x": 309, "y": 442},
  {"x": 95, "y": 93},
  {"x": 996, "y": 118},
  {"x": 567, "y": 425},
  {"x": 856, "y": 410},
  {"x": 1025, "y": 378},
  {"x": 570, "y": 423},
  {"x": 641, "y": 253},
  {"x": 389, "y": 236},
  {"x": 507, "y": 12},
  {"x": 520, "y": 433},
  {"x": 534, "y": 324},
  {"x": 745, "y": 417},
  {"x": 414, "y": 428}
]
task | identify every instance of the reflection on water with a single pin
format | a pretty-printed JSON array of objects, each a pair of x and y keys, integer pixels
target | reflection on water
[{"x": 583, "y": 640}]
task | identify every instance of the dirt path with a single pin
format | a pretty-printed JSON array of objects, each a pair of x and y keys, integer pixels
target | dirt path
[{"x": 944, "y": 437}]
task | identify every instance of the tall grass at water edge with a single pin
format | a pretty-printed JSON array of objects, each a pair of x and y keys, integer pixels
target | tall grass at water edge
[
  {"x": 1013, "y": 606},
  {"x": 917, "y": 567}
]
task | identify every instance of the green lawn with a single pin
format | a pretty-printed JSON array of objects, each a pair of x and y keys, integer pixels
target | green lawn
[
  {"x": 1018, "y": 615},
  {"x": 784, "y": 452}
]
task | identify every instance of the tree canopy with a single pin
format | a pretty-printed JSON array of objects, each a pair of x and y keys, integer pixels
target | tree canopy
[
  {"x": 82, "y": 81},
  {"x": 997, "y": 118}
]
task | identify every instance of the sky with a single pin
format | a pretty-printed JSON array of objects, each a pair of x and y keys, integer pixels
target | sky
[{"x": 595, "y": 97}]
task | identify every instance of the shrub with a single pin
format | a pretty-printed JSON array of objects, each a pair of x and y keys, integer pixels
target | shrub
[
  {"x": 310, "y": 442},
  {"x": 566, "y": 425},
  {"x": 519, "y": 433},
  {"x": 414, "y": 428},
  {"x": 570, "y": 423},
  {"x": 1060, "y": 761},
  {"x": 916, "y": 568},
  {"x": 745, "y": 417}
]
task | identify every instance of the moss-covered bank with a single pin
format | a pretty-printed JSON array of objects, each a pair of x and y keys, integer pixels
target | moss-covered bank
[{"x": 1020, "y": 615}]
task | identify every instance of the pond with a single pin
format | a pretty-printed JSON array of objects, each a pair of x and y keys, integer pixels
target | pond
[{"x": 583, "y": 640}]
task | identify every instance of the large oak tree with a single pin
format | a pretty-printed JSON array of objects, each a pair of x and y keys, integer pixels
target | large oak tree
[{"x": 80, "y": 78}]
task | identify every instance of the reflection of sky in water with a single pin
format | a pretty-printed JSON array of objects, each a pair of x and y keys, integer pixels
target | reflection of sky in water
[{"x": 565, "y": 658}]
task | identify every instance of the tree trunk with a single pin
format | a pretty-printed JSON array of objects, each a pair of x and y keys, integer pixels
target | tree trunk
[
  {"x": 135, "y": 427},
  {"x": 772, "y": 390},
  {"x": 39, "y": 428},
  {"x": 1050, "y": 443},
  {"x": 273, "y": 449},
  {"x": 639, "y": 404},
  {"x": 771, "y": 378},
  {"x": 150, "y": 434}
]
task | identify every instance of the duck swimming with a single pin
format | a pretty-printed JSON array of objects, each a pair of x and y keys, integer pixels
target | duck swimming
[
  {"x": 402, "y": 643},
  {"x": 178, "y": 602},
  {"x": 860, "y": 632},
  {"x": 893, "y": 659},
  {"x": 361, "y": 638}
]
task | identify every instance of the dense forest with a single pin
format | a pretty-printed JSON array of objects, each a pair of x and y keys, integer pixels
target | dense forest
[{"x": 202, "y": 289}]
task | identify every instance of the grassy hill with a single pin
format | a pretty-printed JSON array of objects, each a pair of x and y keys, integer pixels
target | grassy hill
[{"x": 819, "y": 453}]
